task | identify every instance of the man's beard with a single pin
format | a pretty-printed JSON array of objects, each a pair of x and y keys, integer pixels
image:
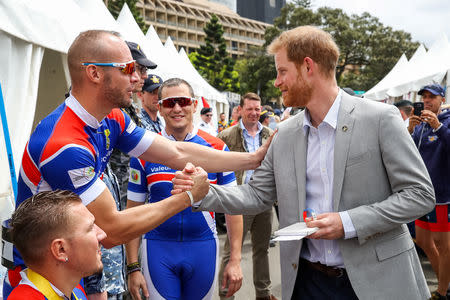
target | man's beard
[
  {"x": 298, "y": 95},
  {"x": 119, "y": 98}
]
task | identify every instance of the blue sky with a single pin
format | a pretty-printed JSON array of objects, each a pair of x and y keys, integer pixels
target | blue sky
[{"x": 426, "y": 20}]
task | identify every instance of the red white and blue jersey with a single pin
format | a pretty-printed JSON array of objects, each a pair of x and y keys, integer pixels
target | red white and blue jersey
[
  {"x": 69, "y": 150},
  {"x": 152, "y": 182}
]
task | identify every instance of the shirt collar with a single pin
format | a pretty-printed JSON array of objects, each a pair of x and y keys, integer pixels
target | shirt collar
[
  {"x": 79, "y": 110},
  {"x": 27, "y": 281},
  {"x": 331, "y": 117},
  {"x": 188, "y": 137},
  {"x": 260, "y": 127}
]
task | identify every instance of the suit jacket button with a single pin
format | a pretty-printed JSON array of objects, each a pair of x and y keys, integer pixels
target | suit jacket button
[{"x": 294, "y": 266}]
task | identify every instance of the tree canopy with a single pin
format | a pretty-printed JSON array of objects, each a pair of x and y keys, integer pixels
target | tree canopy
[{"x": 212, "y": 60}]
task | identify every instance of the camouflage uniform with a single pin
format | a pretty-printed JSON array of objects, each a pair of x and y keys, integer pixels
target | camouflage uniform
[
  {"x": 119, "y": 161},
  {"x": 112, "y": 279}
]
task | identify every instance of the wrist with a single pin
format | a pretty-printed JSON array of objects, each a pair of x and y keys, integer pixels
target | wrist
[{"x": 191, "y": 197}]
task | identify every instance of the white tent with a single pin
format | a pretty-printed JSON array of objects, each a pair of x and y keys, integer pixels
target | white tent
[
  {"x": 423, "y": 68},
  {"x": 431, "y": 67},
  {"x": 378, "y": 92}
]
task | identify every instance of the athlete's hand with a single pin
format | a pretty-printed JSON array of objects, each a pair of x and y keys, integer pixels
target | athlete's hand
[
  {"x": 201, "y": 184},
  {"x": 136, "y": 283},
  {"x": 232, "y": 277},
  {"x": 260, "y": 153},
  {"x": 183, "y": 179}
]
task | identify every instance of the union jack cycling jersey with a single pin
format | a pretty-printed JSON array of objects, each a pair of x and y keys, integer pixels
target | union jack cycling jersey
[
  {"x": 69, "y": 150},
  {"x": 152, "y": 182}
]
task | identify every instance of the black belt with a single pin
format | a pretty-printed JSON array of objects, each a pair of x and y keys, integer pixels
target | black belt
[{"x": 327, "y": 270}]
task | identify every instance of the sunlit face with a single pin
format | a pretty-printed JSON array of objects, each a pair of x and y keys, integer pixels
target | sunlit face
[
  {"x": 250, "y": 112},
  {"x": 179, "y": 119},
  {"x": 117, "y": 87},
  {"x": 432, "y": 102},
  {"x": 84, "y": 253},
  {"x": 295, "y": 90}
]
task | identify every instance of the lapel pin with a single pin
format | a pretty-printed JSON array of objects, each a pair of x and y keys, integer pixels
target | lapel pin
[{"x": 344, "y": 128}]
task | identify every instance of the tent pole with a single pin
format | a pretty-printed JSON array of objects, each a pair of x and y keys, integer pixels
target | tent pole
[{"x": 12, "y": 170}]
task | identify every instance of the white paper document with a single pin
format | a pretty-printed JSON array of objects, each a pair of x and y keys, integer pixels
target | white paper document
[{"x": 293, "y": 232}]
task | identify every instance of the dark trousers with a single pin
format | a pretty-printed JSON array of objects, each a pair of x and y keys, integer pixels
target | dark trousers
[{"x": 313, "y": 284}]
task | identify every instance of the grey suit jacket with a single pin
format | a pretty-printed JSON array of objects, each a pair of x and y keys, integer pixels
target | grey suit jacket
[{"x": 379, "y": 178}]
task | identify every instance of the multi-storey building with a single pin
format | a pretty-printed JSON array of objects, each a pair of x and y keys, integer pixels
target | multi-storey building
[
  {"x": 262, "y": 10},
  {"x": 184, "y": 20}
]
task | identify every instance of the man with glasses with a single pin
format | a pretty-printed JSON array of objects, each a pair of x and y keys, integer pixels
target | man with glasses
[
  {"x": 115, "y": 177},
  {"x": 149, "y": 99},
  {"x": 205, "y": 125},
  {"x": 179, "y": 256},
  {"x": 70, "y": 148}
]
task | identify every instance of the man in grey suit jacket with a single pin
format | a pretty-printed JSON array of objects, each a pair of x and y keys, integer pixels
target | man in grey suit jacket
[{"x": 353, "y": 162}]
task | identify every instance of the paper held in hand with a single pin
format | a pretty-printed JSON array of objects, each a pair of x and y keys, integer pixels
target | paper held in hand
[{"x": 293, "y": 232}]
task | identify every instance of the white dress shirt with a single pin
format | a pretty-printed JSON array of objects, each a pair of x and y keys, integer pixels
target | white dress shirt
[{"x": 319, "y": 185}]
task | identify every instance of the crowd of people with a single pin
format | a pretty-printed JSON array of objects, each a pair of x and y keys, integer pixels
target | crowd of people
[{"x": 102, "y": 209}]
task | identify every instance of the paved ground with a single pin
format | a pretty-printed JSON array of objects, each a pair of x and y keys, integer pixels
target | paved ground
[{"x": 247, "y": 291}]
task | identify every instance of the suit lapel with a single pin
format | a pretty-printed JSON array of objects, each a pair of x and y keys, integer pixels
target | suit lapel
[
  {"x": 344, "y": 130},
  {"x": 300, "y": 141}
]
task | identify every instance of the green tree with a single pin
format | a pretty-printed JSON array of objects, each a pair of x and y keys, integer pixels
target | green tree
[
  {"x": 368, "y": 48},
  {"x": 115, "y": 6},
  {"x": 212, "y": 60},
  {"x": 257, "y": 73}
]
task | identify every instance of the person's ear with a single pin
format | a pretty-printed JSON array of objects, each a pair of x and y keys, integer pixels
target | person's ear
[
  {"x": 59, "y": 250},
  {"x": 94, "y": 73}
]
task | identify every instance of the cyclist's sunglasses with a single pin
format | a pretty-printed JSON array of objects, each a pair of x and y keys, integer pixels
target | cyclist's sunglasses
[
  {"x": 127, "y": 67},
  {"x": 170, "y": 102}
]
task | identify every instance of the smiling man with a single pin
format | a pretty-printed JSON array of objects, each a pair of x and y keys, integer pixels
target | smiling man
[
  {"x": 351, "y": 161},
  {"x": 60, "y": 244},
  {"x": 180, "y": 256}
]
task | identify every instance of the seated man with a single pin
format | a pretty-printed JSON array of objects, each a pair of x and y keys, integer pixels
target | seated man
[
  {"x": 60, "y": 243},
  {"x": 180, "y": 255}
]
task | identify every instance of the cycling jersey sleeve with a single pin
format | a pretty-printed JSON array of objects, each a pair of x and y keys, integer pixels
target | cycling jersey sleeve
[
  {"x": 73, "y": 168},
  {"x": 137, "y": 183},
  {"x": 133, "y": 139}
]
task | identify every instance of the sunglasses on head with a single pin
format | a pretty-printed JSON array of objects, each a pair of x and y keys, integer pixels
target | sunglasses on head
[
  {"x": 170, "y": 102},
  {"x": 127, "y": 67}
]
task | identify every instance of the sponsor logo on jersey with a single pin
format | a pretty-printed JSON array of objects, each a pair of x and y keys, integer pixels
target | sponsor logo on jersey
[
  {"x": 81, "y": 176},
  {"x": 432, "y": 138},
  {"x": 131, "y": 127},
  {"x": 135, "y": 176},
  {"x": 107, "y": 134},
  {"x": 159, "y": 169}
]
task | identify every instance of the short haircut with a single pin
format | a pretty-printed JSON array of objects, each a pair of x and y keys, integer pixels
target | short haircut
[
  {"x": 39, "y": 220},
  {"x": 88, "y": 46},
  {"x": 405, "y": 106},
  {"x": 308, "y": 41},
  {"x": 174, "y": 82},
  {"x": 249, "y": 96},
  {"x": 205, "y": 110}
]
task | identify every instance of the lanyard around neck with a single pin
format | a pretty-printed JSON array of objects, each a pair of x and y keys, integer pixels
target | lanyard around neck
[{"x": 43, "y": 285}]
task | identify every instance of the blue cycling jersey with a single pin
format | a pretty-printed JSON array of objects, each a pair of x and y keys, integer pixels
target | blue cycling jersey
[
  {"x": 69, "y": 150},
  {"x": 153, "y": 182}
]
